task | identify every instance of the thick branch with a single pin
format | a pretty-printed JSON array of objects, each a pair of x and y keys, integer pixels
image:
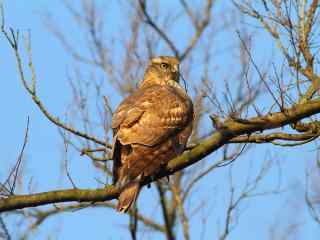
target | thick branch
[
  {"x": 228, "y": 130},
  {"x": 69, "y": 195}
]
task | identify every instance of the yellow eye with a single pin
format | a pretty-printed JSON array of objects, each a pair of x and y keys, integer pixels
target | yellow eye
[{"x": 164, "y": 65}]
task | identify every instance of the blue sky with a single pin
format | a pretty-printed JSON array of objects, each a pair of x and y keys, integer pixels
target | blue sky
[{"x": 44, "y": 151}]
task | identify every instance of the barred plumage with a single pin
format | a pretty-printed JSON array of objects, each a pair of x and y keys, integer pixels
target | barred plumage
[{"x": 150, "y": 127}]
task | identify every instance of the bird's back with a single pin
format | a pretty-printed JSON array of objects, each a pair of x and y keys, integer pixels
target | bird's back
[{"x": 151, "y": 127}]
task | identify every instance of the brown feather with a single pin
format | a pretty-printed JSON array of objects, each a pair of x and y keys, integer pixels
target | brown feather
[
  {"x": 151, "y": 127},
  {"x": 128, "y": 196}
]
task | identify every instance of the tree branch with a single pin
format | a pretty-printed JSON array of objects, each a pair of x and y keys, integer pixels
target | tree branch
[
  {"x": 270, "y": 138},
  {"x": 229, "y": 129},
  {"x": 168, "y": 224},
  {"x": 151, "y": 23},
  {"x": 13, "y": 41}
]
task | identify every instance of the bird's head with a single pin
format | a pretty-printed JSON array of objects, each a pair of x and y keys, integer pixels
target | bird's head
[{"x": 162, "y": 70}]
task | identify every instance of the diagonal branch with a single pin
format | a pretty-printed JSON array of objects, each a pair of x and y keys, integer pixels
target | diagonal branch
[
  {"x": 8, "y": 187},
  {"x": 162, "y": 34},
  {"x": 199, "y": 29},
  {"x": 5, "y": 235},
  {"x": 228, "y": 130},
  {"x": 13, "y": 41}
]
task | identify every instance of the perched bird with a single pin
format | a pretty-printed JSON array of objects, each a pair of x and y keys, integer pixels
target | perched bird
[{"x": 150, "y": 127}]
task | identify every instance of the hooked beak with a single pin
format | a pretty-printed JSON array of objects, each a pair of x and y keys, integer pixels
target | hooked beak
[{"x": 175, "y": 68}]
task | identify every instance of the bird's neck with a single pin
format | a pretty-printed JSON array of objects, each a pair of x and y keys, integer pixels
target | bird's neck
[{"x": 151, "y": 82}]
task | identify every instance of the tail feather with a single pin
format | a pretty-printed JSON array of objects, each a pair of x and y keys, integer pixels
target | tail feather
[{"x": 128, "y": 196}]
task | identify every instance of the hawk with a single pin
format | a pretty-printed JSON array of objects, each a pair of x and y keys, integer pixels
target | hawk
[{"x": 150, "y": 127}]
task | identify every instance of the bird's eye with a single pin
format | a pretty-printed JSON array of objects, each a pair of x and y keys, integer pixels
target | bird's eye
[{"x": 164, "y": 65}]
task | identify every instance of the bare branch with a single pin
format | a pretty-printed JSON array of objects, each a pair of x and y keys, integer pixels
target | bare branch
[
  {"x": 41, "y": 216},
  {"x": 270, "y": 138},
  {"x": 8, "y": 187},
  {"x": 32, "y": 91},
  {"x": 162, "y": 34},
  {"x": 165, "y": 211},
  {"x": 4, "y": 234},
  {"x": 230, "y": 128},
  {"x": 199, "y": 28},
  {"x": 184, "y": 219}
]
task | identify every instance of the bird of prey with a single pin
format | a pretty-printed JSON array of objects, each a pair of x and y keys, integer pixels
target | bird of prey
[{"x": 150, "y": 127}]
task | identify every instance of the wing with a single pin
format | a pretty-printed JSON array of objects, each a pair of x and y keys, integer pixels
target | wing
[
  {"x": 151, "y": 115},
  {"x": 148, "y": 117}
]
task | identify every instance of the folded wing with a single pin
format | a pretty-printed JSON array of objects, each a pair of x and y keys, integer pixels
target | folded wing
[{"x": 148, "y": 117}]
